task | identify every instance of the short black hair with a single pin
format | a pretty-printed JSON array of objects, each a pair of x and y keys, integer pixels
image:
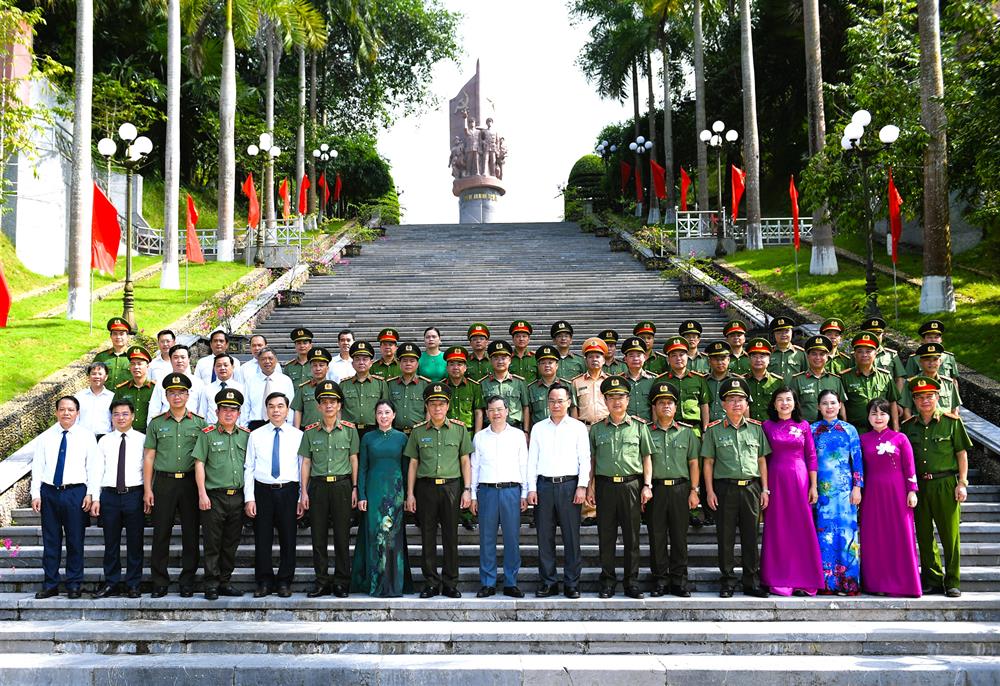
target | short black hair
[
  {"x": 259, "y": 335},
  {"x": 221, "y": 355},
  {"x": 434, "y": 329},
  {"x": 772, "y": 413},
  {"x": 276, "y": 394},
  {"x": 387, "y": 403},
  {"x": 224, "y": 335},
  {"x": 559, "y": 387},
  {"x": 68, "y": 397},
  {"x": 344, "y": 332},
  {"x": 122, "y": 402},
  {"x": 179, "y": 346},
  {"x": 96, "y": 364},
  {"x": 493, "y": 398},
  {"x": 163, "y": 332},
  {"x": 880, "y": 404}
]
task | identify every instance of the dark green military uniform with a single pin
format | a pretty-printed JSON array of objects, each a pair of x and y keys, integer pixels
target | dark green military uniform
[
  {"x": 477, "y": 368},
  {"x": 786, "y": 362},
  {"x": 118, "y": 366},
  {"x": 304, "y": 402},
  {"x": 949, "y": 366},
  {"x": 656, "y": 363},
  {"x": 698, "y": 363},
  {"x": 140, "y": 396},
  {"x": 839, "y": 362},
  {"x": 409, "y": 402},
  {"x": 638, "y": 395},
  {"x": 715, "y": 411},
  {"x": 385, "y": 370},
  {"x": 572, "y": 366},
  {"x": 739, "y": 365},
  {"x": 466, "y": 400},
  {"x": 861, "y": 389},
  {"x": 296, "y": 371},
  {"x": 514, "y": 390},
  {"x": 694, "y": 393},
  {"x": 808, "y": 386},
  {"x": 948, "y": 397},
  {"x": 524, "y": 366},
  {"x": 360, "y": 398},
  {"x": 616, "y": 366},
  {"x": 761, "y": 391}
]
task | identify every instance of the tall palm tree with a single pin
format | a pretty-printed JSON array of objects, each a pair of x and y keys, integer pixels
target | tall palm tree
[
  {"x": 661, "y": 12},
  {"x": 170, "y": 271},
  {"x": 300, "y": 131},
  {"x": 751, "y": 136},
  {"x": 82, "y": 186},
  {"x": 937, "y": 294},
  {"x": 700, "y": 123}
]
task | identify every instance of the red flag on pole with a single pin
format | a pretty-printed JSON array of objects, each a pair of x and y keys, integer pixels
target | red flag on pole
[
  {"x": 286, "y": 199},
  {"x": 253, "y": 216},
  {"x": 326, "y": 189},
  {"x": 192, "y": 248},
  {"x": 303, "y": 196},
  {"x": 638, "y": 184},
  {"x": 105, "y": 233},
  {"x": 794, "y": 194},
  {"x": 659, "y": 175},
  {"x": 685, "y": 185},
  {"x": 337, "y": 186},
  {"x": 739, "y": 184},
  {"x": 5, "y": 298},
  {"x": 626, "y": 171},
  {"x": 895, "y": 218}
]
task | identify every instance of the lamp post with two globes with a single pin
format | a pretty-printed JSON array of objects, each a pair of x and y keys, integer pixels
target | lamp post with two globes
[
  {"x": 715, "y": 138},
  {"x": 269, "y": 152},
  {"x": 137, "y": 148},
  {"x": 324, "y": 154}
]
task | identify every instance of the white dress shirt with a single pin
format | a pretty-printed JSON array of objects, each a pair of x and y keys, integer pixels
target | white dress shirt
[
  {"x": 253, "y": 392},
  {"x": 500, "y": 458},
  {"x": 340, "y": 369},
  {"x": 249, "y": 369},
  {"x": 257, "y": 466},
  {"x": 108, "y": 446},
  {"x": 559, "y": 450},
  {"x": 83, "y": 465},
  {"x": 208, "y": 409},
  {"x": 159, "y": 368},
  {"x": 95, "y": 412},
  {"x": 158, "y": 403},
  {"x": 206, "y": 365}
]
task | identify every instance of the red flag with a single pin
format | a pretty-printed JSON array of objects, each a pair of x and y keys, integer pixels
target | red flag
[
  {"x": 253, "y": 217},
  {"x": 326, "y": 189},
  {"x": 794, "y": 194},
  {"x": 739, "y": 183},
  {"x": 286, "y": 199},
  {"x": 659, "y": 175},
  {"x": 685, "y": 185},
  {"x": 626, "y": 171},
  {"x": 337, "y": 186},
  {"x": 192, "y": 248},
  {"x": 105, "y": 233},
  {"x": 303, "y": 196},
  {"x": 5, "y": 298},
  {"x": 638, "y": 184},
  {"x": 895, "y": 218}
]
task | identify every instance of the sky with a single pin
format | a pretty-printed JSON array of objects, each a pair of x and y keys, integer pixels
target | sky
[{"x": 545, "y": 109}]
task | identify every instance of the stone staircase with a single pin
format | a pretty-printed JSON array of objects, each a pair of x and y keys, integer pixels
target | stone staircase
[{"x": 422, "y": 275}]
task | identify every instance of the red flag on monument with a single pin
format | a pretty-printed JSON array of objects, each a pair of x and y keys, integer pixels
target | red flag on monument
[
  {"x": 253, "y": 216},
  {"x": 794, "y": 194},
  {"x": 5, "y": 298},
  {"x": 337, "y": 186},
  {"x": 286, "y": 199},
  {"x": 895, "y": 217},
  {"x": 739, "y": 184},
  {"x": 192, "y": 247},
  {"x": 659, "y": 175},
  {"x": 626, "y": 171},
  {"x": 303, "y": 196},
  {"x": 105, "y": 234},
  {"x": 685, "y": 185}
]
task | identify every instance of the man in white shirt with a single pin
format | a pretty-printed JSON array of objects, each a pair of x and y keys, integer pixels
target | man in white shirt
[
  {"x": 180, "y": 360},
  {"x": 224, "y": 372},
  {"x": 499, "y": 496},
  {"x": 271, "y": 493},
  {"x": 341, "y": 367},
  {"x": 161, "y": 366},
  {"x": 558, "y": 476},
  {"x": 65, "y": 474},
  {"x": 95, "y": 401},
  {"x": 119, "y": 502},
  {"x": 219, "y": 344},
  {"x": 249, "y": 368},
  {"x": 257, "y": 387}
]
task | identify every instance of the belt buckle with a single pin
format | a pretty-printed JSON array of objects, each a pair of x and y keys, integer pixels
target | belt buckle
[
  {"x": 179, "y": 475},
  {"x": 230, "y": 491},
  {"x": 121, "y": 491},
  {"x": 362, "y": 426},
  {"x": 669, "y": 482},
  {"x": 744, "y": 482},
  {"x": 618, "y": 479},
  {"x": 330, "y": 479},
  {"x": 439, "y": 482}
]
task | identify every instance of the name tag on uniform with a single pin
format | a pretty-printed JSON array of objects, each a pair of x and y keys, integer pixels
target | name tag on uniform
[{"x": 427, "y": 439}]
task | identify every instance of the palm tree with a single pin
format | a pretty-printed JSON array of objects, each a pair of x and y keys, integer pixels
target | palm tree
[
  {"x": 937, "y": 294},
  {"x": 300, "y": 131},
  {"x": 700, "y": 123},
  {"x": 661, "y": 11},
  {"x": 170, "y": 272},
  {"x": 82, "y": 186},
  {"x": 751, "y": 136}
]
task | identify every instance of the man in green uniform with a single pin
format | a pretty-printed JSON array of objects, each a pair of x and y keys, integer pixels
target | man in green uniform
[
  {"x": 676, "y": 478},
  {"x": 508, "y": 386},
  {"x": 219, "y": 454},
  {"x": 694, "y": 394},
  {"x": 612, "y": 363},
  {"x": 547, "y": 360},
  {"x": 138, "y": 388},
  {"x": 691, "y": 331},
  {"x": 930, "y": 357},
  {"x": 466, "y": 395},
  {"x": 362, "y": 391},
  {"x": 620, "y": 449},
  {"x": 406, "y": 391},
  {"x": 656, "y": 363},
  {"x": 940, "y": 453},
  {"x": 762, "y": 383},
  {"x": 809, "y": 384},
  {"x": 297, "y": 368},
  {"x": 786, "y": 358},
  {"x": 170, "y": 489},
  {"x": 438, "y": 485},
  {"x": 478, "y": 364},
  {"x": 735, "y": 333},
  {"x": 734, "y": 451},
  {"x": 522, "y": 362},
  {"x": 640, "y": 381},
  {"x": 306, "y": 410},
  {"x": 387, "y": 365},
  {"x": 864, "y": 381},
  {"x": 570, "y": 365},
  {"x": 884, "y": 357},
  {"x": 116, "y": 359},
  {"x": 718, "y": 359},
  {"x": 329, "y": 452},
  {"x": 833, "y": 328},
  {"x": 932, "y": 331}
]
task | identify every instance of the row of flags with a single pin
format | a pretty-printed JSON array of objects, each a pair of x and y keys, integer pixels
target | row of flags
[{"x": 250, "y": 190}]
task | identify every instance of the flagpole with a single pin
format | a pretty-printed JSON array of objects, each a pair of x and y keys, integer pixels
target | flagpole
[
  {"x": 895, "y": 292},
  {"x": 796, "y": 271},
  {"x": 91, "y": 299},
  {"x": 186, "y": 262}
]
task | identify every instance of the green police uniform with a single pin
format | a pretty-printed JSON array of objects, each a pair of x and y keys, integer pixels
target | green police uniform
[
  {"x": 698, "y": 363},
  {"x": 861, "y": 389},
  {"x": 935, "y": 446},
  {"x": 296, "y": 371},
  {"x": 889, "y": 361},
  {"x": 808, "y": 386},
  {"x": 739, "y": 365},
  {"x": 118, "y": 366},
  {"x": 761, "y": 391},
  {"x": 514, "y": 390},
  {"x": 948, "y": 396},
  {"x": 330, "y": 486},
  {"x": 409, "y": 401},
  {"x": 638, "y": 395},
  {"x": 694, "y": 393},
  {"x": 466, "y": 400},
  {"x": 674, "y": 448},
  {"x": 614, "y": 367},
  {"x": 784, "y": 363},
  {"x": 140, "y": 396},
  {"x": 949, "y": 366},
  {"x": 360, "y": 398},
  {"x": 524, "y": 366},
  {"x": 538, "y": 397},
  {"x": 715, "y": 411},
  {"x": 572, "y": 366},
  {"x": 656, "y": 363},
  {"x": 305, "y": 403},
  {"x": 385, "y": 370},
  {"x": 839, "y": 362},
  {"x": 476, "y": 368}
]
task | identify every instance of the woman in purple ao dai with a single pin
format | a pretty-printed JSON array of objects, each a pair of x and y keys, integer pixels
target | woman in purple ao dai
[
  {"x": 890, "y": 565},
  {"x": 790, "y": 561}
]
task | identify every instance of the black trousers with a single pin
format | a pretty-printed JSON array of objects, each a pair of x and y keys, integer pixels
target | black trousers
[
  {"x": 118, "y": 510},
  {"x": 555, "y": 506},
  {"x": 172, "y": 497},
  {"x": 618, "y": 508},
  {"x": 739, "y": 508},
  {"x": 221, "y": 528},
  {"x": 330, "y": 506},
  {"x": 667, "y": 523},
  {"x": 439, "y": 504},
  {"x": 275, "y": 510}
]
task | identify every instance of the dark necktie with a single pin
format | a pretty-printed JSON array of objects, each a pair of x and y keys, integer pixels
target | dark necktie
[
  {"x": 276, "y": 453},
  {"x": 222, "y": 384},
  {"x": 120, "y": 482},
  {"x": 213, "y": 376},
  {"x": 57, "y": 479}
]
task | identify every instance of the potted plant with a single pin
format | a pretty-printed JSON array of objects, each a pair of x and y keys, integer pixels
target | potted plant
[{"x": 290, "y": 297}]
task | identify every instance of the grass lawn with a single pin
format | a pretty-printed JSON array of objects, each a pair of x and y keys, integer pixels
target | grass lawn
[
  {"x": 205, "y": 201},
  {"x": 913, "y": 263},
  {"x": 20, "y": 279},
  {"x": 974, "y": 323},
  {"x": 31, "y": 349}
]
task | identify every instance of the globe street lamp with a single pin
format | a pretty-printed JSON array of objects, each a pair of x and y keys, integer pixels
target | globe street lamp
[
  {"x": 324, "y": 154},
  {"x": 715, "y": 138},
  {"x": 639, "y": 146},
  {"x": 606, "y": 150},
  {"x": 137, "y": 148},
  {"x": 268, "y": 152},
  {"x": 862, "y": 154}
]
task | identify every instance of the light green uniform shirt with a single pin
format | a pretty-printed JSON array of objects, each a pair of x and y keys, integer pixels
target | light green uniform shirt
[
  {"x": 673, "y": 449},
  {"x": 173, "y": 441},
  {"x": 618, "y": 449},
  {"x": 223, "y": 455},
  {"x": 935, "y": 444},
  {"x": 409, "y": 401},
  {"x": 360, "y": 398},
  {"x": 513, "y": 389},
  {"x": 439, "y": 450},
  {"x": 735, "y": 450},
  {"x": 329, "y": 452}
]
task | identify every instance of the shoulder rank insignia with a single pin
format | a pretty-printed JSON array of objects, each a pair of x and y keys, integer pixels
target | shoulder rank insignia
[
  {"x": 311, "y": 426},
  {"x": 208, "y": 429},
  {"x": 347, "y": 423}
]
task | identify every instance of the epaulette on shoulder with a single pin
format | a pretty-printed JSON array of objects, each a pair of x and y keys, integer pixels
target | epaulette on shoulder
[
  {"x": 685, "y": 424},
  {"x": 291, "y": 361},
  {"x": 208, "y": 429},
  {"x": 456, "y": 421},
  {"x": 846, "y": 371},
  {"x": 424, "y": 378},
  {"x": 149, "y": 384},
  {"x": 243, "y": 428},
  {"x": 799, "y": 373},
  {"x": 193, "y": 415},
  {"x": 123, "y": 383},
  {"x": 751, "y": 420},
  {"x": 162, "y": 414},
  {"x": 952, "y": 415},
  {"x": 639, "y": 419},
  {"x": 311, "y": 426},
  {"x": 422, "y": 423},
  {"x": 374, "y": 376},
  {"x": 347, "y": 423},
  {"x": 305, "y": 383},
  {"x": 645, "y": 374},
  {"x": 909, "y": 419},
  {"x": 517, "y": 376},
  {"x": 711, "y": 424},
  {"x": 798, "y": 347},
  {"x": 698, "y": 374},
  {"x": 528, "y": 353},
  {"x": 350, "y": 378},
  {"x": 392, "y": 378}
]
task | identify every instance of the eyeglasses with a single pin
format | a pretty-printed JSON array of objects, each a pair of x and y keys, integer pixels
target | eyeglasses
[
  {"x": 121, "y": 415},
  {"x": 553, "y": 401}
]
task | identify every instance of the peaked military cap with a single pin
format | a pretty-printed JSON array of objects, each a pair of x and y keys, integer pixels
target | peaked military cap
[
  {"x": 675, "y": 343},
  {"x": 478, "y": 329},
  {"x": 362, "y": 348},
  {"x": 923, "y": 384},
  {"x": 615, "y": 384},
  {"x": 645, "y": 326},
  {"x": 175, "y": 381},
  {"x": 689, "y": 326},
  {"x": 734, "y": 326},
  {"x": 137, "y": 352},
  {"x": 734, "y": 386},
  {"x": 408, "y": 350},
  {"x": 634, "y": 344},
  {"x": 759, "y": 345},
  {"x": 328, "y": 389},
  {"x": 437, "y": 391},
  {"x": 865, "y": 339},
  {"x": 932, "y": 326},
  {"x": 609, "y": 336},
  {"x": 662, "y": 389},
  {"x": 520, "y": 326},
  {"x": 930, "y": 350},
  {"x": 875, "y": 324},
  {"x": 456, "y": 352},
  {"x": 559, "y": 327},
  {"x": 301, "y": 334},
  {"x": 229, "y": 397},
  {"x": 595, "y": 345},
  {"x": 499, "y": 348},
  {"x": 320, "y": 355},
  {"x": 388, "y": 334},
  {"x": 546, "y": 352},
  {"x": 118, "y": 324},
  {"x": 832, "y": 324},
  {"x": 819, "y": 342},
  {"x": 781, "y": 323},
  {"x": 716, "y": 348}
]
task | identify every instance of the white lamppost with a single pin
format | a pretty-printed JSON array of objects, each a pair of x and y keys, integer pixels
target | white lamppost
[
  {"x": 715, "y": 138},
  {"x": 639, "y": 146},
  {"x": 268, "y": 152},
  {"x": 324, "y": 154}
]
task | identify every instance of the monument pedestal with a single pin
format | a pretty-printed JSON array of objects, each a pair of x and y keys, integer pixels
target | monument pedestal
[{"x": 478, "y": 197}]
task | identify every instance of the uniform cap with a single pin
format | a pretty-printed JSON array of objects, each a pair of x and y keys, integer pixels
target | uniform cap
[
  {"x": 361, "y": 348},
  {"x": 609, "y": 336},
  {"x": 759, "y": 345},
  {"x": 832, "y": 324},
  {"x": 408, "y": 350},
  {"x": 478, "y": 329},
  {"x": 644, "y": 326},
  {"x": 437, "y": 391},
  {"x": 930, "y": 350},
  {"x": 932, "y": 326},
  {"x": 229, "y": 397},
  {"x": 875, "y": 324},
  {"x": 388, "y": 334},
  {"x": 716, "y": 348},
  {"x": 328, "y": 389},
  {"x": 320, "y": 355},
  {"x": 634, "y": 344},
  {"x": 118, "y": 324},
  {"x": 456, "y": 352},
  {"x": 499, "y": 348},
  {"x": 820, "y": 342},
  {"x": 675, "y": 343},
  {"x": 616, "y": 384},
  {"x": 734, "y": 326},
  {"x": 689, "y": 326},
  {"x": 559, "y": 327},
  {"x": 174, "y": 381},
  {"x": 301, "y": 334},
  {"x": 520, "y": 326},
  {"x": 546, "y": 352},
  {"x": 734, "y": 386},
  {"x": 865, "y": 339},
  {"x": 595, "y": 344},
  {"x": 137, "y": 352},
  {"x": 662, "y": 389},
  {"x": 781, "y": 323},
  {"x": 923, "y": 384}
]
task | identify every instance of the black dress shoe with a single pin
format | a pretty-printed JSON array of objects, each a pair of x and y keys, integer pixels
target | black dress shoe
[
  {"x": 726, "y": 593},
  {"x": 74, "y": 594},
  {"x": 486, "y": 592},
  {"x": 953, "y": 593},
  {"x": 756, "y": 592},
  {"x": 158, "y": 592},
  {"x": 319, "y": 591},
  {"x": 680, "y": 591},
  {"x": 108, "y": 591},
  {"x": 187, "y": 592},
  {"x": 658, "y": 591},
  {"x": 47, "y": 593},
  {"x": 932, "y": 590},
  {"x": 429, "y": 592},
  {"x": 800, "y": 593},
  {"x": 695, "y": 521},
  {"x": 451, "y": 592},
  {"x": 606, "y": 592},
  {"x": 211, "y": 594},
  {"x": 547, "y": 591},
  {"x": 133, "y": 592},
  {"x": 262, "y": 592},
  {"x": 572, "y": 592},
  {"x": 634, "y": 592},
  {"x": 284, "y": 591},
  {"x": 228, "y": 591},
  {"x": 340, "y": 592},
  {"x": 513, "y": 592}
]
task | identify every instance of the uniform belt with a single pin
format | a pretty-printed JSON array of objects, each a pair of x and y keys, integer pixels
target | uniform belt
[
  {"x": 670, "y": 482},
  {"x": 65, "y": 486},
  {"x": 334, "y": 478},
  {"x": 121, "y": 491},
  {"x": 275, "y": 487},
  {"x": 936, "y": 475},
  {"x": 439, "y": 482},
  {"x": 502, "y": 484},
  {"x": 619, "y": 479},
  {"x": 558, "y": 479},
  {"x": 174, "y": 475},
  {"x": 226, "y": 491},
  {"x": 739, "y": 482},
  {"x": 361, "y": 427}
]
